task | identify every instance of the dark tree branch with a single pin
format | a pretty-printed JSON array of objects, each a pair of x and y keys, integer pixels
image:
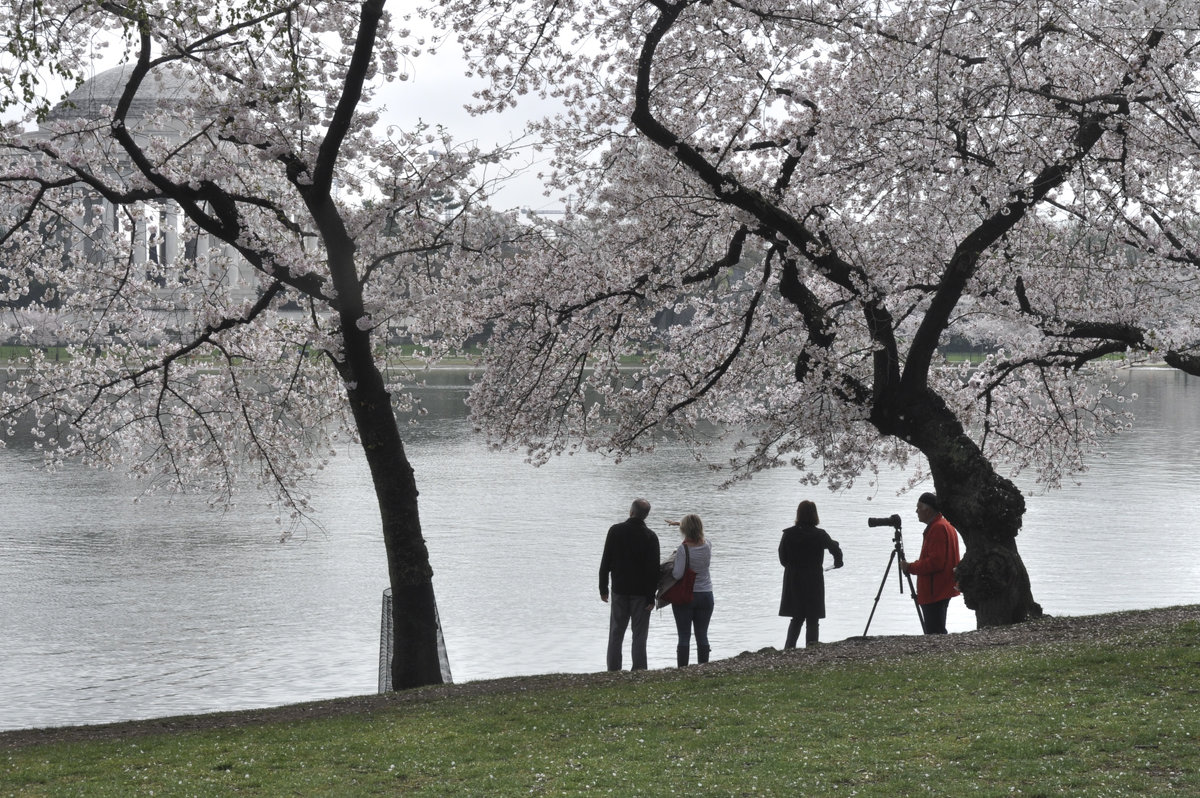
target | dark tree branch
[
  {"x": 964, "y": 263},
  {"x": 352, "y": 88}
]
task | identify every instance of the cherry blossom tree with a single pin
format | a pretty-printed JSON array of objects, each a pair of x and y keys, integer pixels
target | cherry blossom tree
[
  {"x": 786, "y": 210},
  {"x": 227, "y": 240}
]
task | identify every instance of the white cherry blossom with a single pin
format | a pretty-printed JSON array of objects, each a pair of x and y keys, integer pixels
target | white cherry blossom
[{"x": 784, "y": 212}]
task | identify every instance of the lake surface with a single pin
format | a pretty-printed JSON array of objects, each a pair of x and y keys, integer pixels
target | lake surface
[{"x": 111, "y": 610}]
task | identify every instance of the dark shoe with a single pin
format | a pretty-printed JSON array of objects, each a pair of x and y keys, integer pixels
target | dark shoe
[{"x": 702, "y": 655}]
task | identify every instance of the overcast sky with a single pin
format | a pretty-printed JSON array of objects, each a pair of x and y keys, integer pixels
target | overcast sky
[{"x": 436, "y": 91}]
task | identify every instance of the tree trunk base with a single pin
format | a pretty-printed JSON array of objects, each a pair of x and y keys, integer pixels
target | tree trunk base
[
  {"x": 995, "y": 585},
  {"x": 415, "y": 657}
]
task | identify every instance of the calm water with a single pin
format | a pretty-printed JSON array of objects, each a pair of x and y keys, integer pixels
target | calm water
[{"x": 111, "y": 610}]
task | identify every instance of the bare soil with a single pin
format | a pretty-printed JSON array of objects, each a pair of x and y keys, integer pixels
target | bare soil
[{"x": 856, "y": 649}]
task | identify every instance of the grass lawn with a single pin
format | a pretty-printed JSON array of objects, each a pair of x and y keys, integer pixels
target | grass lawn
[{"x": 1111, "y": 713}]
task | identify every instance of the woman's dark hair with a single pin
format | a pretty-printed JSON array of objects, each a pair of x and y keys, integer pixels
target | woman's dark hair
[{"x": 806, "y": 514}]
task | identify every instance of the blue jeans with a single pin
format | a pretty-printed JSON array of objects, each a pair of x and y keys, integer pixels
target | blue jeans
[
  {"x": 627, "y": 611},
  {"x": 695, "y": 615}
]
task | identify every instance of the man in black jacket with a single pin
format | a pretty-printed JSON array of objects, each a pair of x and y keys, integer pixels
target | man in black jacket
[{"x": 631, "y": 556}]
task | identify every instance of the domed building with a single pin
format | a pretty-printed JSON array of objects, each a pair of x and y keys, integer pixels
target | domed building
[
  {"x": 156, "y": 231},
  {"x": 161, "y": 90}
]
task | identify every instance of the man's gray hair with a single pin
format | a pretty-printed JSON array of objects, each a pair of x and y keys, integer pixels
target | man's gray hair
[{"x": 640, "y": 509}]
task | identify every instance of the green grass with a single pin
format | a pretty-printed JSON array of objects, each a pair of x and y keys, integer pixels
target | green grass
[{"x": 1109, "y": 717}]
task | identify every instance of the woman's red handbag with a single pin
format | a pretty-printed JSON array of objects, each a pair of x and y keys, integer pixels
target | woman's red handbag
[{"x": 681, "y": 591}]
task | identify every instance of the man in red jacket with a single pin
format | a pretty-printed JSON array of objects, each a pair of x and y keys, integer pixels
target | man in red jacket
[{"x": 934, "y": 570}]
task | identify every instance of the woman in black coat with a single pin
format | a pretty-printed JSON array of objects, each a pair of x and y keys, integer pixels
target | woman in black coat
[{"x": 802, "y": 555}]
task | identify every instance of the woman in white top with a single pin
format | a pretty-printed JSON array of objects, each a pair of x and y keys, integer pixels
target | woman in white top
[{"x": 696, "y": 553}]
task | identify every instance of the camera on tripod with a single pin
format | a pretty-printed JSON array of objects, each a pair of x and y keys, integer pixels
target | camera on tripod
[
  {"x": 891, "y": 520},
  {"x": 897, "y": 558}
]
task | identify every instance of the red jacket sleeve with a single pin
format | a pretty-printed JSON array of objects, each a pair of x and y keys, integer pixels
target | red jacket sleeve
[{"x": 935, "y": 567}]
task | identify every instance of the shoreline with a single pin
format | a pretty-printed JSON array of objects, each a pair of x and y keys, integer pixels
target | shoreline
[{"x": 1048, "y": 630}]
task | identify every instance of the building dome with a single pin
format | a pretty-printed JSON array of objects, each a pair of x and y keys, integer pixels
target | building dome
[{"x": 161, "y": 89}]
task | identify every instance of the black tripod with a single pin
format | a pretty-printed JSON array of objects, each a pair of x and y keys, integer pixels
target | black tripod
[{"x": 897, "y": 551}]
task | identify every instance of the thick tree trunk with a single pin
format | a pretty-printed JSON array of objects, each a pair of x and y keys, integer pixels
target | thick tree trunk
[
  {"x": 986, "y": 508},
  {"x": 415, "y": 659}
]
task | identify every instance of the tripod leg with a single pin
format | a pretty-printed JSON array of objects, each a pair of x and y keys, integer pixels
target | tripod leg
[
  {"x": 913, "y": 592},
  {"x": 879, "y": 593}
]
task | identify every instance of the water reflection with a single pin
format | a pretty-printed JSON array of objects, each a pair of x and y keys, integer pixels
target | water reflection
[{"x": 115, "y": 611}]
